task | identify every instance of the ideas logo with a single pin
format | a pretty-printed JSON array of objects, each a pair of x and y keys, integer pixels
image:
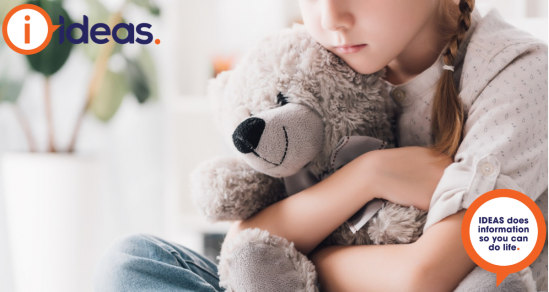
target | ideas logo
[
  {"x": 17, "y": 33},
  {"x": 27, "y": 29}
]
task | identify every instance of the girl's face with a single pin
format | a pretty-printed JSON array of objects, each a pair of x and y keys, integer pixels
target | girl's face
[{"x": 369, "y": 34}]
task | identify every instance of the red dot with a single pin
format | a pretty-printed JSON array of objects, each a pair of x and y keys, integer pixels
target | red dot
[
  {"x": 27, "y": 18},
  {"x": 157, "y": 41},
  {"x": 518, "y": 248}
]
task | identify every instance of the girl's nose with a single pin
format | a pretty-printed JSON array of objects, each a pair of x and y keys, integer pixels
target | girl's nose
[{"x": 334, "y": 15}]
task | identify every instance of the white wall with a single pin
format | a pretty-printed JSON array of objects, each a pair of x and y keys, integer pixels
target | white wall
[{"x": 206, "y": 28}]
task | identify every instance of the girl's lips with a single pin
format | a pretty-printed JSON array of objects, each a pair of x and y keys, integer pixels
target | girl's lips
[{"x": 349, "y": 49}]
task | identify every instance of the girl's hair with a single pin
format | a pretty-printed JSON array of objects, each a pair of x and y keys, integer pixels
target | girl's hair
[{"x": 447, "y": 116}]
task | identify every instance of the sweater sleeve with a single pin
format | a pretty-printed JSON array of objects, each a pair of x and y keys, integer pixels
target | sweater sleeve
[{"x": 504, "y": 142}]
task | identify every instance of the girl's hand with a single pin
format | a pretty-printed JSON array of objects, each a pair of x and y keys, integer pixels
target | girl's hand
[{"x": 407, "y": 176}]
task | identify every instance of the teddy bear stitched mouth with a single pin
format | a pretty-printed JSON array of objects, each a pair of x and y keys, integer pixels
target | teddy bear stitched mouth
[{"x": 285, "y": 151}]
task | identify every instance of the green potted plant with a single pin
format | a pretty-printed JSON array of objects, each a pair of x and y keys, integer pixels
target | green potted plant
[
  {"x": 52, "y": 198},
  {"x": 106, "y": 88}
]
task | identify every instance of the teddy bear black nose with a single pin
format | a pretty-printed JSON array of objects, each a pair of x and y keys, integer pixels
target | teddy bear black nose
[{"x": 247, "y": 135}]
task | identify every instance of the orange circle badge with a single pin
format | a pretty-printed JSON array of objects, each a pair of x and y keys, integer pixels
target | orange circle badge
[
  {"x": 27, "y": 29},
  {"x": 503, "y": 232}
]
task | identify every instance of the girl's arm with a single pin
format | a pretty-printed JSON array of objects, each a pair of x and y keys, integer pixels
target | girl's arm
[
  {"x": 406, "y": 176},
  {"x": 436, "y": 262}
]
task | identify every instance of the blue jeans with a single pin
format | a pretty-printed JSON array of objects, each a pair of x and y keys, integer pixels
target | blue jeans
[{"x": 142, "y": 262}]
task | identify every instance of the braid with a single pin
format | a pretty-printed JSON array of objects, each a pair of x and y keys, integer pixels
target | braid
[{"x": 447, "y": 112}]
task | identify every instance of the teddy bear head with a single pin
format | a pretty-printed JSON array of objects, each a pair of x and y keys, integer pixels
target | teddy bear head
[{"x": 289, "y": 101}]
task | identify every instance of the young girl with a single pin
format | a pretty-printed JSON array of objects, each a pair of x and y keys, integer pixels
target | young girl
[{"x": 473, "y": 113}]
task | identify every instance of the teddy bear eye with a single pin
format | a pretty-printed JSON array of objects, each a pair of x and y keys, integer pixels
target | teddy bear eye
[{"x": 281, "y": 99}]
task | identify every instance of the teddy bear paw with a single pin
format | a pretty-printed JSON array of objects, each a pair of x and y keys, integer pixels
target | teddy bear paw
[{"x": 257, "y": 261}]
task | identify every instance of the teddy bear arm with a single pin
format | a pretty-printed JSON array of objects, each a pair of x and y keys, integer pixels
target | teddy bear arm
[{"x": 228, "y": 189}]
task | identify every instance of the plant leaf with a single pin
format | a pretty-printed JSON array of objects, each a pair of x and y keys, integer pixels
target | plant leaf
[
  {"x": 138, "y": 81},
  {"x": 122, "y": 34},
  {"x": 10, "y": 90},
  {"x": 147, "y": 63},
  {"x": 97, "y": 13},
  {"x": 109, "y": 96},
  {"x": 54, "y": 56},
  {"x": 13, "y": 70},
  {"x": 6, "y": 6},
  {"x": 148, "y": 4}
]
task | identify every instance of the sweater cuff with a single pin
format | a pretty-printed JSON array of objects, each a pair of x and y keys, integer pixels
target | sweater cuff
[{"x": 460, "y": 185}]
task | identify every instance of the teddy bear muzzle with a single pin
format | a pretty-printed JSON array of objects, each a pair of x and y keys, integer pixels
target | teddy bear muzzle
[{"x": 280, "y": 141}]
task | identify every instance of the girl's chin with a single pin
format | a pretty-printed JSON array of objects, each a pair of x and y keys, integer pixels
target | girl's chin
[
  {"x": 362, "y": 67},
  {"x": 365, "y": 65}
]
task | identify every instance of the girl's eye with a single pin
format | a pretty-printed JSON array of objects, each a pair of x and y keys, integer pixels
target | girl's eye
[{"x": 281, "y": 99}]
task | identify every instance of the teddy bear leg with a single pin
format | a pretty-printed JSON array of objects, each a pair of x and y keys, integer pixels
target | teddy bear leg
[
  {"x": 257, "y": 261},
  {"x": 480, "y": 280}
]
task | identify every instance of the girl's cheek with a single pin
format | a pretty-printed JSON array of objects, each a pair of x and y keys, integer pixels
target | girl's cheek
[{"x": 313, "y": 31}]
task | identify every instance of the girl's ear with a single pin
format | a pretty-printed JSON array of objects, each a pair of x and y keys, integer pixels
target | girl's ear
[{"x": 216, "y": 86}]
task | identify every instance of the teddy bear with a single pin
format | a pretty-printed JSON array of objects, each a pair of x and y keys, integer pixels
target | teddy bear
[{"x": 293, "y": 113}]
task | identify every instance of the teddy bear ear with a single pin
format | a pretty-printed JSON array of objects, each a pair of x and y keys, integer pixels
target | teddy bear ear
[
  {"x": 215, "y": 93},
  {"x": 216, "y": 86}
]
